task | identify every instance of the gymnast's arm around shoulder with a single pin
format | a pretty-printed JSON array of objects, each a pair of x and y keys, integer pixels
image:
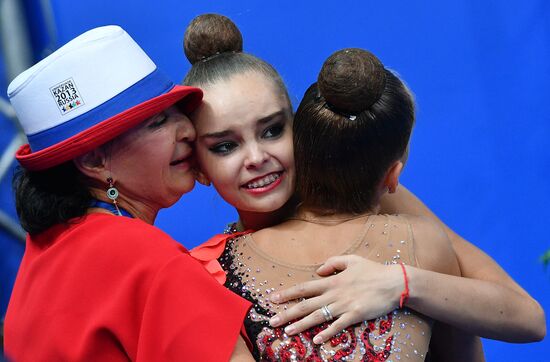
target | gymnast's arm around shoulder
[
  {"x": 485, "y": 301},
  {"x": 434, "y": 253}
]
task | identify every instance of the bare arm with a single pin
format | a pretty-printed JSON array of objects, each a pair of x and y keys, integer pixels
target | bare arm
[
  {"x": 486, "y": 302},
  {"x": 434, "y": 253}
]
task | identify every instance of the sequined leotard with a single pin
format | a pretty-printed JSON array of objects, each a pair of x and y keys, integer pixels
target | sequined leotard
[{"x": 400, "y": 335}]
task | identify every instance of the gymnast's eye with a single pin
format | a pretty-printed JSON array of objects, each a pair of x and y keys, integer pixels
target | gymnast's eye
[
  {"x": 223, "y": 148},
  {"x": 274, "y": 131}
]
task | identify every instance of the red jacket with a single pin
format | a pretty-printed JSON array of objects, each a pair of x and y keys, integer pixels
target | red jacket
[{"x": 111, "y": 288}]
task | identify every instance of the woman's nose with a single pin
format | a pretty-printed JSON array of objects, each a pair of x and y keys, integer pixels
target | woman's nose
[
  {"x": 186, "y": 131},
  {"x": 256, "y": 156}
]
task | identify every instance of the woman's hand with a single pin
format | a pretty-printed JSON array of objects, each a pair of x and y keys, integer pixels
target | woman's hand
[{"x": 361, "y": 290}]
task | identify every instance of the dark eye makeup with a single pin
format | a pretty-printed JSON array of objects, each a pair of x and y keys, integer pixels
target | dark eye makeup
[
  {"x": 274, "y": 130},
  {"x": 223, "y": 148}
]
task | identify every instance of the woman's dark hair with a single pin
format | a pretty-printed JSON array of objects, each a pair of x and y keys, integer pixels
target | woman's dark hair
[
  {"x": 213, "y": 45},
  {"x": 50, "y": 197},
  {"x": 349, "y": 128}
]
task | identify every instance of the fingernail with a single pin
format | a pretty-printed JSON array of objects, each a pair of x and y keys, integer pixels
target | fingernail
[
  {"x": 317, "y": 340},
  {"x": 275, "y": 298},
  {"x": 274, "y": 321},
  {"x": 289, "y": 330}
]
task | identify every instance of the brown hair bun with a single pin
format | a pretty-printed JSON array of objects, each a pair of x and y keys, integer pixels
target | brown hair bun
[
  {"x": 211, "y": 34},
  {"x": 352, "y": 80}
]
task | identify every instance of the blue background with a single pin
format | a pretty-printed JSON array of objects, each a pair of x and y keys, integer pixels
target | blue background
[{"x": 480, "y": 71}]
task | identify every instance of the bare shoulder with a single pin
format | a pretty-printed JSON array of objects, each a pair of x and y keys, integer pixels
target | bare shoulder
[
  {"x": 433, "y": 248},
  {"x": 264, "y": 234},
  {"x": 264, "y": 238}
]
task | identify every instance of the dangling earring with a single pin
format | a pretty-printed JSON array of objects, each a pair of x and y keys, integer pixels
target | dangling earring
[{"x": 112, "y": 193}]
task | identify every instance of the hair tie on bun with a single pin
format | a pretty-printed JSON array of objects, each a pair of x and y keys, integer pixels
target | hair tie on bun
[
  {"x": 351, "y": 117},
  {"x": 319, "y": 98},
  {"x": 206, "y": 58}
]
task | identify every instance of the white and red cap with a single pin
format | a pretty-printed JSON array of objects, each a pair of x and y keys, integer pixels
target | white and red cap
[{"x": 92, "y": 89}]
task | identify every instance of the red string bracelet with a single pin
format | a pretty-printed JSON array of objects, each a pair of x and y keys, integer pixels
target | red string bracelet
[{"x": 405, "y": 293}]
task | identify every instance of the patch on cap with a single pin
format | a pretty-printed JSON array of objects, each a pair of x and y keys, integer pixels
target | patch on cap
[{"x": 66, "y": 96}]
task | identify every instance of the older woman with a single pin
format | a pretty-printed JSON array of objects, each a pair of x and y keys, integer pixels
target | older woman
[{"x": 109, "y": 146}]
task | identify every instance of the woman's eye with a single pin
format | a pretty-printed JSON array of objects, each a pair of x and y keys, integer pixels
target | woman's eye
[
  {"x": 158, "y": 121},
  {"x": 273, "y": 131},
  {"x": 223, "y": 148}
]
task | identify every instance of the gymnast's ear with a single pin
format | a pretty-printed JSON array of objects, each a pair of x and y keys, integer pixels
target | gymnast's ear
[{"x": 391, "y": 180}]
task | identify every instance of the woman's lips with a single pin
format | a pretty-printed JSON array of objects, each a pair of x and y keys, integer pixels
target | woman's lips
[
  {"x": 264, "y": 184},
  {"x": 183, "y": 163},
  {"x": 174, "y": 163},
  {"x": 185, "y": 158}
]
